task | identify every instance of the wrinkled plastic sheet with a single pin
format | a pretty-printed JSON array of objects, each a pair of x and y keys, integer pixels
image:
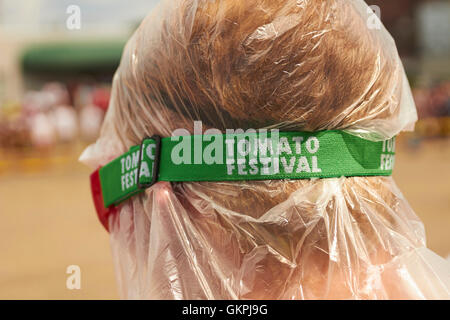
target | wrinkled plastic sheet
[{"x": 292, "y": 65}]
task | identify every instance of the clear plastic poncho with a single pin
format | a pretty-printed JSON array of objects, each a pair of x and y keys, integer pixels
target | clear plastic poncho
[{"x": 295, "y": 65}]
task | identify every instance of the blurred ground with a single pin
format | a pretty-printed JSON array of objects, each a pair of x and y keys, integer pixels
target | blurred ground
[
  {"x": 48, "y": 220},
  {"x": 423, "y": 175},
  {"x": 49, "y": 223}
]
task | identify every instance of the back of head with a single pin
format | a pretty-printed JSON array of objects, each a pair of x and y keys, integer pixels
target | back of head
[{"x": 294, "y": 65}]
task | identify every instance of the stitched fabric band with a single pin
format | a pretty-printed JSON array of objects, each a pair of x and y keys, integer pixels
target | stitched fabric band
[{"x": 249, "y": 156}]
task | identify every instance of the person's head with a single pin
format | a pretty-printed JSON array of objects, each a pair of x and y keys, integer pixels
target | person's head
[{"x": 294, "y": 65}]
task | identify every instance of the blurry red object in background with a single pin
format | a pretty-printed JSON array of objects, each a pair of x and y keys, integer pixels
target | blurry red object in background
[{"x": 100, "y": 98}]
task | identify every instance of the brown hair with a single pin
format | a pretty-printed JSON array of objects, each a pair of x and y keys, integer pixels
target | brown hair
[{"x": 292, "y": 65}]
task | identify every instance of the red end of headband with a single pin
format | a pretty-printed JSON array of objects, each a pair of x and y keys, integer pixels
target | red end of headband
[{"x": 96, "y": 189}]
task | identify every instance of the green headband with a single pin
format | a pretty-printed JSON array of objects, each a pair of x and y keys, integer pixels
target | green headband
[{"x": 238, "y": 157}]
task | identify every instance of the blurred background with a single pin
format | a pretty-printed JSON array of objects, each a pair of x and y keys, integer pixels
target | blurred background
[{"x": 55, "y": 82}]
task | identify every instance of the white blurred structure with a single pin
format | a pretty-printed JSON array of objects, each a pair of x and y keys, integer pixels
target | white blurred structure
[
  {"x": 38, "y": 21},
  {"x": 434, "y": 41},
  {"x": 98, "y": 16},
  {"x": 434, "y": 28}
]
